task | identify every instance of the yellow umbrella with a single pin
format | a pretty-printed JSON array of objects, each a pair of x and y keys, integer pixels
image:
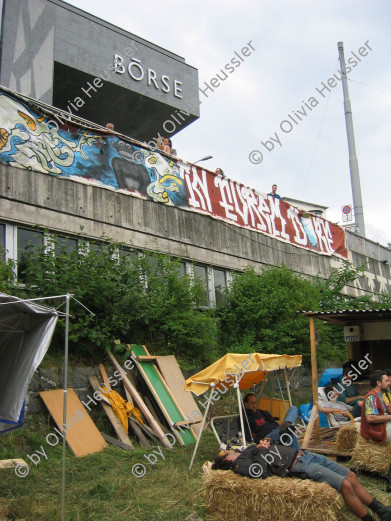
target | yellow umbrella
[
  {"x": 252, "y": 368},
  {"x": 239, "y": 370}
]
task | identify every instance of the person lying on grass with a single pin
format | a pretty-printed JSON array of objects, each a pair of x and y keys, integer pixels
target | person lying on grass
[{"x": 269, "y": 458}]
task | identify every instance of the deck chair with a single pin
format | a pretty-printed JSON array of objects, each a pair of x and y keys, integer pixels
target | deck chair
[
  {"x": 332, "y": 420},
  {"x": 227, "y": 431}
]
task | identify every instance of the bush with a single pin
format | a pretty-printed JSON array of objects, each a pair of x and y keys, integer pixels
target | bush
[{"x": 136, "y": 299}]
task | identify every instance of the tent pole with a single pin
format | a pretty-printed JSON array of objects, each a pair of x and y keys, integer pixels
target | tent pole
[
  {"x": 64, "y": 432},
  {"x": 240, "y": 412},
  {"x": 202, "y": 427},
  {"x": 287, "y": 388},
  {"x": 314, "y": 368}
]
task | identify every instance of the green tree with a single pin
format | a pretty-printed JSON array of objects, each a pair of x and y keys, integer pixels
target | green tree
[
  {"x": 136, "y": 299},
  {"x": 7, "y": 274},
  {"x": 262, "y": 312}
]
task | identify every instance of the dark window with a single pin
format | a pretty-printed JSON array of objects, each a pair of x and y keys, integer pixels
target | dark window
[
  {"x": 64, "y": 244},
  {"x": 202, "y": 275},
  {"x": 27, "y": 238},
  {"x": 220, "y": 283},
  {"x": 181, "y": 267}
]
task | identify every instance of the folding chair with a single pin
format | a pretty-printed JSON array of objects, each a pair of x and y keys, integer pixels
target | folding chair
[{"x": 227, "y": 430}]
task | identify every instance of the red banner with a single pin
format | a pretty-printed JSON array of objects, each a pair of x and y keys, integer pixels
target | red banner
[{"x": 228, "y": 200}]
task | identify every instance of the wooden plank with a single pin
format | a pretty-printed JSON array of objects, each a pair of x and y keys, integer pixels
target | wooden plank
[
  {"x": 310, "y": 427},
  {"x": 173, "y": 376},
  {"x": 133, "y": 423},
  {"x": 335, "y": 452},
  {"x": 82, "y": 435},
  {"x": 145, "y": 358},
  {"x": 116, "y": 443},
  {"x": 189, "y": 422},
  {"x": 140, "y": 403},
  {"x": 163, "y": 396},
  {"x": 114, "y": 420},
  {"x": 144, "y": 427},
  {"x": 138, "y": 428},
  {"x": 104, "y": 376},
  {"x": 9, "y": 463},
  {"x": 314, "y": 371}
]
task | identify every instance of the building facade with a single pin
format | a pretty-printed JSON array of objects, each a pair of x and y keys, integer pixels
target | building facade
[{"x": 63, "y": 175}]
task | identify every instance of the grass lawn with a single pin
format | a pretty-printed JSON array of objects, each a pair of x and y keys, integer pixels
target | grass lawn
[{"x": 102, "y": 486}]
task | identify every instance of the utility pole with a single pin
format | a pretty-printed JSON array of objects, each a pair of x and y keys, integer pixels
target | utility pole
[{"x": 353, "y": 163}]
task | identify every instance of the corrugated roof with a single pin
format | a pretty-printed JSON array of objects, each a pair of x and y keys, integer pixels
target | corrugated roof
[{"x": 349, "y": 316}]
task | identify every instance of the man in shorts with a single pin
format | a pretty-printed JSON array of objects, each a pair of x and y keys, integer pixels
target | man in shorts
[{"x": 269, "y": 458}]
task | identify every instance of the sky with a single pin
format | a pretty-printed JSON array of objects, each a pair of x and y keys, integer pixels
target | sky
[{"x": 295, "y": 50}]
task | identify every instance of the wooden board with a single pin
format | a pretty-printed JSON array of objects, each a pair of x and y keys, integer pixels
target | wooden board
[
  {"x": 8, "y": 463},
  {"x": 114, "y": 420},
  {"x": 173, "y": 376},
  {"x": 140, "y": 404},
  {"x": 132, "y": 424},
  {"x": 82, "y": 435},
  {"x": 163, "y": 396},
  {"x": 274, "y": 406}
]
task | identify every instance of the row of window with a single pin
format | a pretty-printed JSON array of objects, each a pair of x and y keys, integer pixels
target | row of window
[{"x": 14, "y": 240}]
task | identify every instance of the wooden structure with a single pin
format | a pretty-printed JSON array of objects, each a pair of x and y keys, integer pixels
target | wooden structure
[
  {"x": 158, "y": 431},
  {"x": 372, "y": 337},
  {"x": 169, "y": 406}
]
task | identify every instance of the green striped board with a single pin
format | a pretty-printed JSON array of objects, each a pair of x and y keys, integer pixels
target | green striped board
[{"x": 169, "y": 408}]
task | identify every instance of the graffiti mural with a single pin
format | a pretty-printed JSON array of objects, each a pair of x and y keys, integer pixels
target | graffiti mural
[
  {"x": 33, "y": 140},
  {"x": 30, "y": 139}
]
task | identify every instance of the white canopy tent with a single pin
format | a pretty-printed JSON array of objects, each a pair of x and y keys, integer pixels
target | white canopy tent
[{"x": 26, "y": 332}]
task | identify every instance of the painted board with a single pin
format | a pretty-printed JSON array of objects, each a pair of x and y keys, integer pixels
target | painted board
[
  {"x": 173, "y": 376},
  {"x": 169, "y": 408},
  {"x": 82, "y": 435}
]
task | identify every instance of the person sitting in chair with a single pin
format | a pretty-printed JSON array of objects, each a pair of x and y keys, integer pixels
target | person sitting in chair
[
  {"x": 268, "y": 459},
  {"x": 261, "y": 424},
  {"x": 333, "y": 405}
]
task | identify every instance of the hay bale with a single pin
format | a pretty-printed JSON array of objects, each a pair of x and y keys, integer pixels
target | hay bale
[
  {"x": 346, "y": 437},
  {"x": 371, "y": 456},
  {"x": 229, "y": 497}
]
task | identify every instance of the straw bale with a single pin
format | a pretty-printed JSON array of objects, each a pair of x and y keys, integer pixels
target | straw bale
[
  {"x": 346, "y": 437},
  {"x": 229, "y": 497},
  {"x": 368, "y": 455}
]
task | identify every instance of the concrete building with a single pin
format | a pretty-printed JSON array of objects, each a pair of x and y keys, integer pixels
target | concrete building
[
  {"x": 56, "y": 53},
  {"x": 59, "y": 174}
]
